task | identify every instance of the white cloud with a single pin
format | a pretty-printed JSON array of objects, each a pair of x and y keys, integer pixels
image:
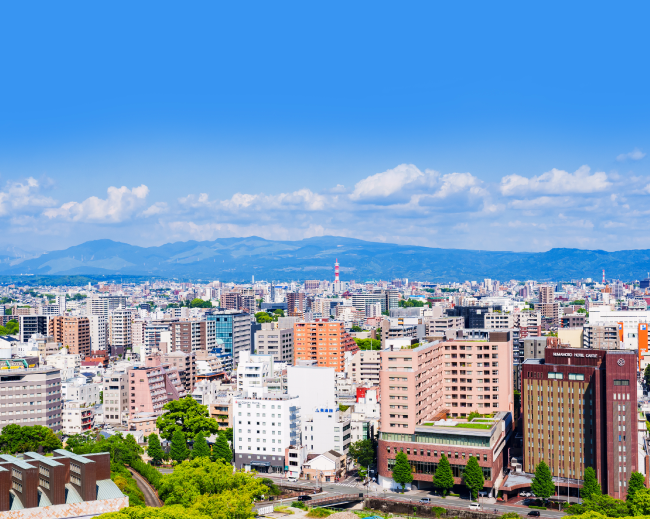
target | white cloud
[
  {"x": 381, "y": 185},
  {"x": 304, "y": 198},
  {"x": 555, "y": 182},
  {"x": 17, "y": 196},
  {"x": 157, "y": 208},
  {"x": 453, "y": 183},
  {"x": 120, "y": 204},
  {"x": 635, "y": 154}
]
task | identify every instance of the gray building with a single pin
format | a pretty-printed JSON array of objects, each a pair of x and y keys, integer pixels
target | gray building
[
  {"x": 31, "y": 324},
  {"x": 534, "y": 348},
  {"x": 30, "y": 396},
  {"x": 275, "y": 341},
  {"x": 116, "y": 402}
]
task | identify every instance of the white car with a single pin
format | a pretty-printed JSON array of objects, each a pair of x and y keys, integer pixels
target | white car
[
  {"x": 474, "y": 506},
  {"x": 292, "y": 479}
]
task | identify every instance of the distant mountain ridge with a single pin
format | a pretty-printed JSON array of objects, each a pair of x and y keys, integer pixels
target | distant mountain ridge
[{"x": 237, "y": 259}]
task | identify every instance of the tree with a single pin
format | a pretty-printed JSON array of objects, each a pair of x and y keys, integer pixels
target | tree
[
  {"x": 200, "y": 447},
  {"x": 132, "y": 450},
  {"x": 228, "y": 434},
  {"x": 402, "y": 470},
  {"x": 188, "y": 416},
  {"x": 179, "y": 451},
  {"x": 443, "y": 479},
  {"x": 646, "y": 375},
  {"x": 363, "y": 452},
  {"x": 542, "y": 485},
  {"x": 639, "y": 502},
  {"x": 195, "y": 480},
  {"x": 601, "y": 504},
  {"x": 154, "y": 450},
  {"x": 636, "y": 483},
  {"x": 472, "y": 415},
  {"x": 221, "y": 450},
  {"x": 101, "y": 397},
  {"x": 279, "y": 312},
  {"x": 15, "y": 439},
  {"x": 200, "y": 303},
  {"x": 263, "y": 317},
  {"x": 473, "y": 477},
  {"x": 590, "y": 485},
  {"x": 356, "y": 328}
]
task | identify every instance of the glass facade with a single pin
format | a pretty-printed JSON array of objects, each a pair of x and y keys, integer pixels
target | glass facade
[
  {"x": 223, "y": 330},
  {"x": 438, "y": 438},
  {"x": 429, "y": 467}
]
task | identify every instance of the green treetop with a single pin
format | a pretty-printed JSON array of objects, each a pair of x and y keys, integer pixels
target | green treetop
[
  {"x": 590, "y": 485},
  {"x": 178, "y": 450},
  {"x": 154, "y": 450},
  {"x": 402, "y": 470},
  {"x": 443, "y": 479},
  {"x": 362, "y": 452},
  {"x": 200, "y": 447},
  {"x": 221, "y": 450},
  {"x": 636, "y": 483},
  {"x": 473, "y": 477},
  {"x": 188, "y": 416},
  {"x": 542, "y": 485}
]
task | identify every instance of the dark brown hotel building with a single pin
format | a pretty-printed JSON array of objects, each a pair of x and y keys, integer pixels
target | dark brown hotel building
[{"x": 579, "y": 410}]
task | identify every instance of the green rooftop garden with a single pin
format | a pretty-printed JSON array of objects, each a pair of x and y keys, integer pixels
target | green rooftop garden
[{"x": 464, "y": 425}]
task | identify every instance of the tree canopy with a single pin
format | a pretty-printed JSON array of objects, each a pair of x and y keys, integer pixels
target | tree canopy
[
  {"x": 154, "y": 450},
  {"x": 178, "y": 450},
  {"x": 590, "y": 485},
  {"x": 200, "y": 303},
  {"x": 200, "y": 447},
  {"x": 123, "y": 449},
  {"x": 473, "y": 477},
  {"x": 363, "y": 452},
  {"x": 16, "y": 438},
  {"x": 368, "y": 344},
  {"x": 11, "y": 328},
  {"x": 188, "y": 416},
  {"x": 542, "y": 485},
  {"x": 402, "y": 470},
  {"x": 221, "y": 450},
  {"x": 443, "y": 479},
  {"x": 636, "y": 483}
]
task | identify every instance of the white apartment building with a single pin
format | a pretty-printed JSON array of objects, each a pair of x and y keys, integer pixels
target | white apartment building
[
  {"x": 316, "y": 387},
  {"x": 363, "y": 367},
  {"x": 78, "y": 389},
  {"x": 120, "y": 328},
  {"x": 116, "y": 402},
  {"x": 271, "y": 340},
  {"x": 327, "y": 430},
  {"x": 77, "y": 418},
  {"x": 526, "y": 319},
  {"x": 264, "y": 429},
  {"x": 441, "y": 325},
  {"x": 253, "y": 370},
  {"x": 628, "y": 321},
  {"x": 68, "y": 363},
  {"x": 499, "y": 321},
  {"x": 98, "y": 332}
]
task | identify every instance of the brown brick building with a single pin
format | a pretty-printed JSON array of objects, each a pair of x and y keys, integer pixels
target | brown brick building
[
  {"x": 322, "y": 341},
  {"x": 579, "y": 410},
  {"x": 73, "y": 332}
]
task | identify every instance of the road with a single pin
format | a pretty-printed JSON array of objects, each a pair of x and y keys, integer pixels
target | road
[
  {"x": 150, "y": 496},
  {"x": 415, "y": 496}
]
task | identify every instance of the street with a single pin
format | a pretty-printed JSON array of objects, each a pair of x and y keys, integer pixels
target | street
[{"x": 414, "y": 496}]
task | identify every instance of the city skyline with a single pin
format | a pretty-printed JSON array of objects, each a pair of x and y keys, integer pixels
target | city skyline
[{"x": 483, "y": 129}]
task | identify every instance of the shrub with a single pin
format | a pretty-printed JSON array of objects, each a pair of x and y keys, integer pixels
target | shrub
[
  {"x": 319, "y": 512},
  {"x": 299, "y": 504},
  {"x": 438, "y": 510},
  {"x": 152, "y": 475}
]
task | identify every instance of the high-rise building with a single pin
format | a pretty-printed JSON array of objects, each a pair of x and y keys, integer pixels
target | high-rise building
[
  {"x": 98, "y": 332},
  {"x": 31, "y": 324},
  {"x": 120, "y": 338},
  {"x": 72, "y": 332},
  {"x": 104, "y": 304},
  {"x": 322, "y": 341},
  {"x": 272, "y": 340},
  {"x": 188, "y": 336},
  {"x": 32, "y": 395},
  {"x": 153, "y": 385},
  {"x": 233, "y": 329},
  {"x": 579, "y": 409}
]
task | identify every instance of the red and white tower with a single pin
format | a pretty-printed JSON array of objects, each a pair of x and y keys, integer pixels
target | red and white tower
[
  {"x": 336, "y": 271},
  {"x": 603, "y": 276}
]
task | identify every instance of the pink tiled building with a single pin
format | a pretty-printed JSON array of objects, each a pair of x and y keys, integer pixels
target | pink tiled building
[{"x": 152, "y": 386}]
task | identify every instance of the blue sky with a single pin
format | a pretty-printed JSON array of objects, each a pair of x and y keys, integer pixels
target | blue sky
[{"x": 469, "y": 125}]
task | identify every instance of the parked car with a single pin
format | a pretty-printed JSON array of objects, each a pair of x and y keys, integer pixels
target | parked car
[
  {"x": 292, "y": 479},
  {"x": 474, "y": 506},
  {"x": 304, "y": 498},
  {"x": 533, "y": 513},
  {"x": 425, "y": 500}
]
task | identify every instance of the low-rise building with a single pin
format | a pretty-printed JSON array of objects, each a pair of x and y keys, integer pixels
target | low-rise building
[
  {"x": 78, "y": 418},
  {"x": 153, "y": 385}
]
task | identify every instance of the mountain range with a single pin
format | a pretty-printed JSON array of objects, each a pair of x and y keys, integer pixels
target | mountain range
[{"x": 237, "y": 259}]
